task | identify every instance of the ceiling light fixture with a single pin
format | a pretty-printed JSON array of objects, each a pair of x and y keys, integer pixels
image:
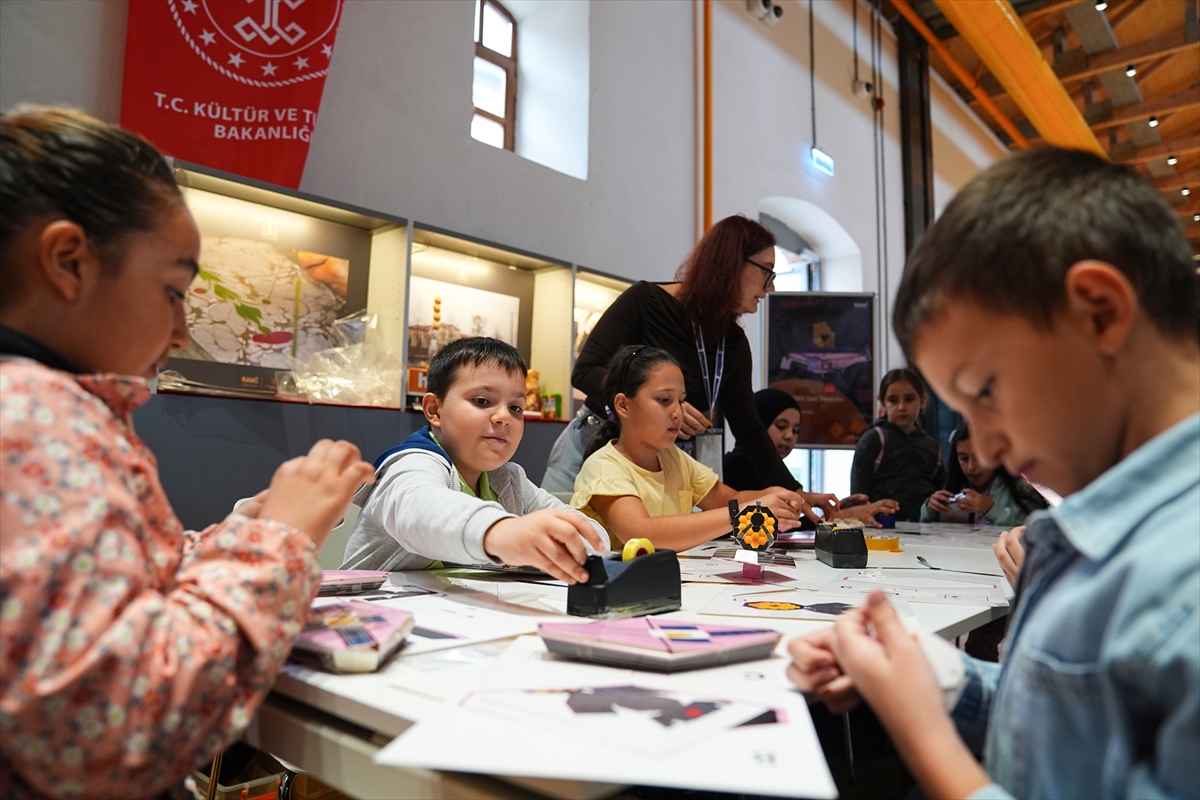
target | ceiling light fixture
[
  {"x": 1153, "y": 122},
  {"x": 1172, "y": 161},
  {"x": 1195, "y": 217},
  {"x": 1101, "y": 5},
  {"x": 1185, "y": 191},
  {"x": 1131, "y": 70}
]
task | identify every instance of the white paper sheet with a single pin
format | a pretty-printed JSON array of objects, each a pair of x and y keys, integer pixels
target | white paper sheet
[
  {"x": 781, "y": 759},
  {"x": 441, "y": 622},
  {"x": 853, "y": 587}
]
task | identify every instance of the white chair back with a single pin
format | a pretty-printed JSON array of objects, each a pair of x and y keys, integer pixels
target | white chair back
[{"x": 334, "y": 551}]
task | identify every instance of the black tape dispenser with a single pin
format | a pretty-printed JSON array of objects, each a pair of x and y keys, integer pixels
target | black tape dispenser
[
  {"x": 841, "y": 547},
  {"x": 639, "y": 581}
]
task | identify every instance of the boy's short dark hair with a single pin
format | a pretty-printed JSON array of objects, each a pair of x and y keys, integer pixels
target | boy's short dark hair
[
  {"x": 1007, "y": 240},
  {"x": 474, "y": 352}
]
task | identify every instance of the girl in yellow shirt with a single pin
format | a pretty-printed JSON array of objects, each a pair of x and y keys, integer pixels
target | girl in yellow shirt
[{"x": 636, "y": 483}]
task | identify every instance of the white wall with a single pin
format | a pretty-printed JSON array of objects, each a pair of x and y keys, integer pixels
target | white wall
[
  {"x": 393, "y": 136},
  {"x": 553, "y": 88},
  {"x": 66, "y": 52},
  {"x": 763, "y": 136}
]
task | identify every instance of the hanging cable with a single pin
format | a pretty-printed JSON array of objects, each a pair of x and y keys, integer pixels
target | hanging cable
[
  {"x": 812, "y": 74},
  {"x": 854, "y": 14},
  {"x": 885, "y": 286},
  {"x": 881, "y": 315}
]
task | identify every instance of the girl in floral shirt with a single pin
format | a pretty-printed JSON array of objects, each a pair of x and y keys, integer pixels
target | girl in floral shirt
[{"x": 131, "y": 651}]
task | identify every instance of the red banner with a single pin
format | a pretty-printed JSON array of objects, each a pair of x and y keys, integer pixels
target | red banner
[{"x": 231, "y": 84}]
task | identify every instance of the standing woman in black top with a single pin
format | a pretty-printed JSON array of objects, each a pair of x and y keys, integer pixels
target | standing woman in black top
[{"x": 694, "y": 319}]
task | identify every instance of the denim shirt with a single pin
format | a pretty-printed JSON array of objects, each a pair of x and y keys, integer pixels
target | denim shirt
[{"x": 1099, "y": 692}]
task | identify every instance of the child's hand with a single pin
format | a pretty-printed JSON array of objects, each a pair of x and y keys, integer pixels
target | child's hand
[
  {"x": 976, "y": 503},
  {"x": 866, "y": 513},
  {"x": 784, "y": 504},
  {"x": 815, "y": 670},
  {"x": 253, "y": 506},
  {"x": 311, "y": 492},
  {"x": 887, "y": 667},
  {"x": 827, "y": 503},
  {"x": 1010, "y": 553},
  {"x": 546, "y": 539},
  {"x": 852, "y": 500},
  {"x": 939, "y": 501}
]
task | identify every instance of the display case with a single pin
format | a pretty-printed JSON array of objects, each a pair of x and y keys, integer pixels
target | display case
[
  {"x": 304, "y": 299},
  {"x": 594, "y": 293},
  {"x": 296, "y": 297},
  {"x": 459, "y": 287}
]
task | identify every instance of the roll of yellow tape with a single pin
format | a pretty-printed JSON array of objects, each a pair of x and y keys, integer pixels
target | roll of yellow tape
[{"x": 635, "y": 548}]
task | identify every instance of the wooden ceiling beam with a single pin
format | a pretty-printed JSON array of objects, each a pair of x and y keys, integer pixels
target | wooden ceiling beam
[
  {"x": 1124, "y": 13},
  {"x": 1187, "y": 210},
  {"x": 1188, "y": 178},
  {"x": 1175, "y": 147},
  {"x": 1140, "y": 52},
  {"x": 1159, "y": 106}
]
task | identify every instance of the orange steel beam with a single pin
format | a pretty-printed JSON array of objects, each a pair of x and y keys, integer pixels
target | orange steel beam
[
  {"x": 995, "y": 32},
  {"x": 960, "y": 72},
  {"x": 708, "y": 153}
]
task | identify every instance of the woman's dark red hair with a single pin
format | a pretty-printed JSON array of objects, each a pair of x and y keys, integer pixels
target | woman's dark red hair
[{"x": 711, "y": 274}]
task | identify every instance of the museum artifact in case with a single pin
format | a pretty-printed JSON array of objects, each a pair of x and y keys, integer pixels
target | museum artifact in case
[
  {"x": 461, "y": 287},
  {"x": 285, "y": 282}
]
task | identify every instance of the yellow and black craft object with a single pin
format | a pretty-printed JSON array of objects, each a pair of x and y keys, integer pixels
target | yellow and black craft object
[
  {"x": 640, "y": 581},
  {"x": 754, "y": 527}
]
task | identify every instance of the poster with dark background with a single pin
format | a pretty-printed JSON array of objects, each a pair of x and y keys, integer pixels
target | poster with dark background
[{"x": 821, "y": 349}]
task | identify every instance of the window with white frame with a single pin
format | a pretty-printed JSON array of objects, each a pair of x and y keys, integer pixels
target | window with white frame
[{"x": 494, "y": 89}]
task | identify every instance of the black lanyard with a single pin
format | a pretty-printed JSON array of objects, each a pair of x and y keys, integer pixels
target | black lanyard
[{"x": 710, "y": 389}]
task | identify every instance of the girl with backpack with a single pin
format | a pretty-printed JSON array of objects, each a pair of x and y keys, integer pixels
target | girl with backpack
[{"x": 895, "y": 459}]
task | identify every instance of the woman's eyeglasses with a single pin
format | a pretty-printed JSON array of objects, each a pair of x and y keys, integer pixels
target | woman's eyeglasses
[{"x": 770, "y": 273}]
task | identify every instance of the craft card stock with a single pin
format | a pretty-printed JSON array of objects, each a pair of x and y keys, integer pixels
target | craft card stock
[{"x": 658, "y": 644}]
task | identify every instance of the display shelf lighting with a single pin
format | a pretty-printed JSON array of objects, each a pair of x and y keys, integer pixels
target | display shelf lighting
[
  {"x": 822, "y": 161},
  {"x": 1172, "y": 161}
]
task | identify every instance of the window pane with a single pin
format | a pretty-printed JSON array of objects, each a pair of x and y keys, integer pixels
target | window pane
[
  {"x": 488, "y": 91},
  {"x": 497, "y": 31},
  {"x": 487, "y": 131},
  {"x": 478, "y": 3}
]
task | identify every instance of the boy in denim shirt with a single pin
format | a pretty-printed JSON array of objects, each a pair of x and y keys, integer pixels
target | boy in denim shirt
[{"x": 1055, "y": 305}]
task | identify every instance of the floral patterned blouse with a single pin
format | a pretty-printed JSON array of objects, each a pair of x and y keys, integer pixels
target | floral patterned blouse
[{"x": 131, "y": 651}]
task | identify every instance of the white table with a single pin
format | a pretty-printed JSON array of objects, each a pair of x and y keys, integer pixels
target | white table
[{"x": 332, "y": 725}]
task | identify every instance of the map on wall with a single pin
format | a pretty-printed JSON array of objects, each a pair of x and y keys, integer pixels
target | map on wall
[
  {"x": 440, "y": 313},
  {"x": 257, "y": 304}
]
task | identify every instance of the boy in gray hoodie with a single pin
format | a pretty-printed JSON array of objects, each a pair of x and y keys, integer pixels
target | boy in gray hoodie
[{"x": 449, "y": 492}]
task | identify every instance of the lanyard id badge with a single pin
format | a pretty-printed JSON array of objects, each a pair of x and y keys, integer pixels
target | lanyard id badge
[{"x": 713, "y": 389}]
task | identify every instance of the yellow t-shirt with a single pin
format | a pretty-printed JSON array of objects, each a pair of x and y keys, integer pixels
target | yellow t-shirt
[{"x": 675, "y": 489}]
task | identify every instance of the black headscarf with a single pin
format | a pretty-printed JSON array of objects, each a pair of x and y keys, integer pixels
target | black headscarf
[{"x": 770, "y": 403}]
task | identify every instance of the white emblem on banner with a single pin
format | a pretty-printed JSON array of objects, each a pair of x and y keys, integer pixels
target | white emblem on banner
[{"x": 271, "y": 43}]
